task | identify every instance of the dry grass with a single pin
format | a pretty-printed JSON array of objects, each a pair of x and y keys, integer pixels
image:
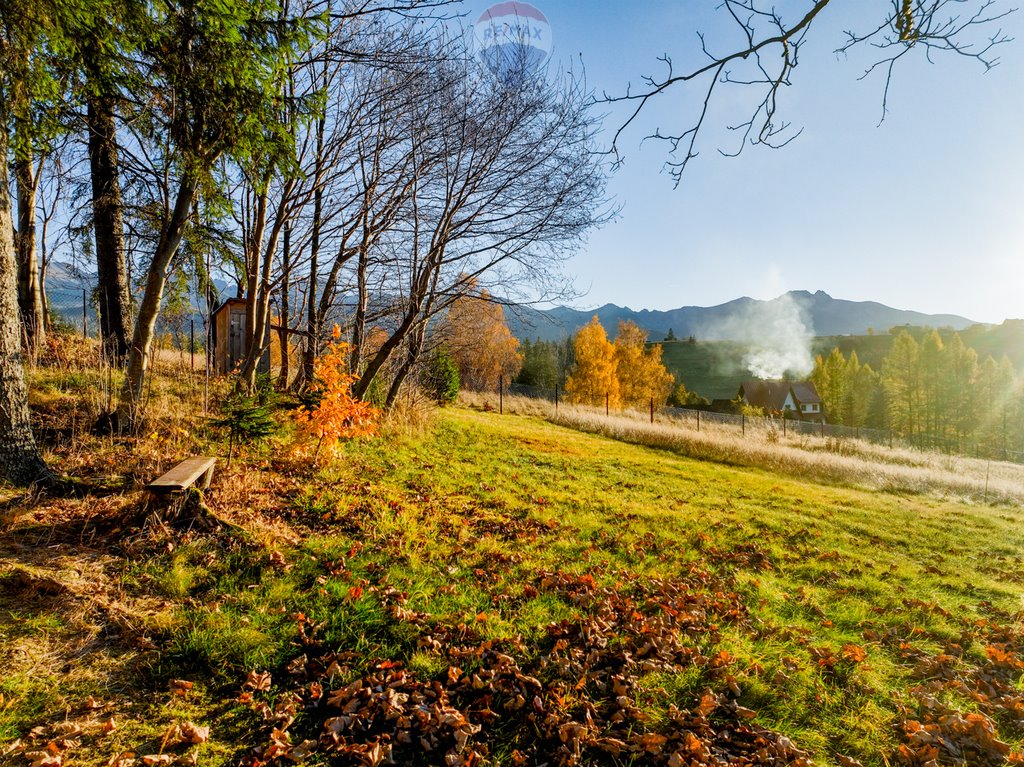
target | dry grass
[
  {"x": 412, "y": 416},
  {"x": 845, "y": 461}
]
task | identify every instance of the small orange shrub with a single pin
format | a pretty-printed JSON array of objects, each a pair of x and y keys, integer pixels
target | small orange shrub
[{"x": 337, "y": 415}]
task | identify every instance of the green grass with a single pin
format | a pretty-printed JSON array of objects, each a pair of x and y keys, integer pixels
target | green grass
[{"x": 453, "y": 534}]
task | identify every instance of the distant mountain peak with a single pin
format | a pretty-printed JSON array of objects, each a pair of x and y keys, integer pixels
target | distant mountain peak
[{"x": 827, "y": 316}]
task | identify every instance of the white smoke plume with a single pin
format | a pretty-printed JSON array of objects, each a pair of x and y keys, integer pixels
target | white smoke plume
[{"x": 778, "y": 334}]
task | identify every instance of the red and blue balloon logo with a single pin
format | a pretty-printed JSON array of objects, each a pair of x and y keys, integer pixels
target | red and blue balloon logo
[{"x": 513, "y": 41}]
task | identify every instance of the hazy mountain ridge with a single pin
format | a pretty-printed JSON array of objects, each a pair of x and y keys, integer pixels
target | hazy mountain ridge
[{"x": 824, "y": 316}]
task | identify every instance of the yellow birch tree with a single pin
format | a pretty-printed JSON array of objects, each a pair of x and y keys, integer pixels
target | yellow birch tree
[
  {"x": 641, "y": 373},
  {"x": 594, "y": 376}
]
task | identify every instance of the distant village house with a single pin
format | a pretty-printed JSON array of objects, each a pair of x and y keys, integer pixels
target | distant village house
[{"x": 793, "y": 399}]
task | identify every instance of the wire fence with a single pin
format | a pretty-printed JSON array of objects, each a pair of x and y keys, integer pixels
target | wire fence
[
  {"x": 74, "y": 311},
  {"x": 695, "y": 418}
]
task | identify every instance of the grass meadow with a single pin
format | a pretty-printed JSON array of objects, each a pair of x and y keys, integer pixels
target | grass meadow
[{"x": 504, "y": 589}]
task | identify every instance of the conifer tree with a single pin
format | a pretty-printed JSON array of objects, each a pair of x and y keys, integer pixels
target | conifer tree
[
  {"x": 902, "y": 381},
  {"x": 957, "y": 387},
  {"x": 861, "y": 386}
]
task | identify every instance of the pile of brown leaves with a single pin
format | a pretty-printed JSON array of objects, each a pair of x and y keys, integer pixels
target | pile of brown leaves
[
  {"x": 937, "y": 732},
  {"x": 574, "y": 699}
]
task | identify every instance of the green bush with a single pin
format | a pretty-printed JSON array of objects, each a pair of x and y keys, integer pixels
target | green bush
[{"x": 440, "y": 377}]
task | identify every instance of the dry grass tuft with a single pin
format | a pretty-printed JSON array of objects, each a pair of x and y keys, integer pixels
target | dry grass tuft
[{"x": 412, "y": 416}]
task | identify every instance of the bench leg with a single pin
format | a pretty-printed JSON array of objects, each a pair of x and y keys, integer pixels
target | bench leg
[{"x": 207, "y": 478}]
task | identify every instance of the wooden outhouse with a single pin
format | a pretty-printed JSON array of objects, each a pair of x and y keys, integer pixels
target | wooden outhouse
[{"x": 230, "y": 340}]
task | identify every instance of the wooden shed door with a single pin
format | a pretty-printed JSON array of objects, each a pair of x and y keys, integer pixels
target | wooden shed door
[{"x": 236, "y": 337}]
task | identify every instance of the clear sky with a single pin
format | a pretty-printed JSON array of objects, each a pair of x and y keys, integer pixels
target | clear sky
[{"x": 922, "y": 212}]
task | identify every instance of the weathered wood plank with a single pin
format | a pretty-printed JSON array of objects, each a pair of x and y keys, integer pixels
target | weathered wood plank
[{"x": 184, "y": 475}]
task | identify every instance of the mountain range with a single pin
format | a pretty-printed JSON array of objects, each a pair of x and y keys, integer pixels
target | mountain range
[{"x": 822, "y": 315}]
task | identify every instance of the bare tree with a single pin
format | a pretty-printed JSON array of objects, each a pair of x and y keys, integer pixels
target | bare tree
[
  {"x": 502, "y": 183},
  {"x": 275, "y": 197},
  {"x": 769, "y": 51},
  {"x": 211, "y": 90}
]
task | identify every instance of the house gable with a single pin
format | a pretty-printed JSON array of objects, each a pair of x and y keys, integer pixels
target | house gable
[{"x": 797, "y": 397}]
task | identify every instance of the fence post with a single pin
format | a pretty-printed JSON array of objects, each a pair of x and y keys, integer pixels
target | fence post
[
  {"x": 607, "y": 397},
  {"x": 85, "y": 315},
  {"x": 698, "y": 420},
  {"x": 652, "y": 409},
  {"x": 823, "y": 428},
  {"x": 556, "y": 398},
  {"x": 192, "y": 342},
  {"x": 743, "y": 422},
  {"x": 890, "y": 439},
  {"x": 783, "y": 426},
  {"x": 501, "y": 395}
]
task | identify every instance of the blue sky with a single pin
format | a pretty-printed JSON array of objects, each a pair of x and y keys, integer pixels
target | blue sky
[{"x": 922, "y": 212}]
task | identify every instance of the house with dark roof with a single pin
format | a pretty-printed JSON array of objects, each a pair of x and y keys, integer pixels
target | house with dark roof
[{"x": 793, "y": 399}]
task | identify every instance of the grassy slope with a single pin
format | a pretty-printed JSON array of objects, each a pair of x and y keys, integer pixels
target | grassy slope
[
  {"x": 839, "y": 557},
  {"x": 463, "y": 520}
]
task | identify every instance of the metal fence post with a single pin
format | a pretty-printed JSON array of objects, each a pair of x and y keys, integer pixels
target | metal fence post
[
  {"x": 698, "y": 420},
  {"x": 85, "y": 315},
  {"x": 501, "y": 395},
  {"x": 743, "y": 422},
  {"x": 192, "y": 342},
  {"x": 652, "y": 409},
  {"x": 556, "y": 398},
  {"x": 607, "y": 399}
]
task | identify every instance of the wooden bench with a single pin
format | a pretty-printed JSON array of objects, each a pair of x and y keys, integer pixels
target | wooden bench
[{"x": 183, "y": 476}]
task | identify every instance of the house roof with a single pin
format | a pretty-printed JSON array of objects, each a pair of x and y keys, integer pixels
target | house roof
[
  {"x": 805, "y": 392},
  {"x": 229, "y": 302},
  {"x": 771, "y": 395}
]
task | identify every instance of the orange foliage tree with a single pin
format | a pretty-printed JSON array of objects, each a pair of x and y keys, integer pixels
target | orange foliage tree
[
  {"x": 593, "y": 377},
  {"x": 626, "y": 371},
  {"x": 480, "y": 342},
  {"x": 641, "y": 373},
  {"x": 335, "y": 414}
]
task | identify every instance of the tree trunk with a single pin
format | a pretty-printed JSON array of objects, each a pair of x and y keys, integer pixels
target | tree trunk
[
  {"x": 259, "y": 302},
  {"x": 362, "y": 304},
  {"x": 286, "y": 253},
  {"x": 374, "y": 365},
  {"x": 108, "y": 228},
  {"x": 20, "y": 462},
  {"x": 312, "y": 315},
  {"x": 30, "y": 300},
  {"x": 411, "y": 358},
  {"x": 253, "y": 255},
  {"x": 129, "y": 408}
]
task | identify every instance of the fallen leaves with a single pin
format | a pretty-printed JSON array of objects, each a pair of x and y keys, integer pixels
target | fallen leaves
[
  {"x": 180, "y": 687},
  {"x": 573, "y": 704}
]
